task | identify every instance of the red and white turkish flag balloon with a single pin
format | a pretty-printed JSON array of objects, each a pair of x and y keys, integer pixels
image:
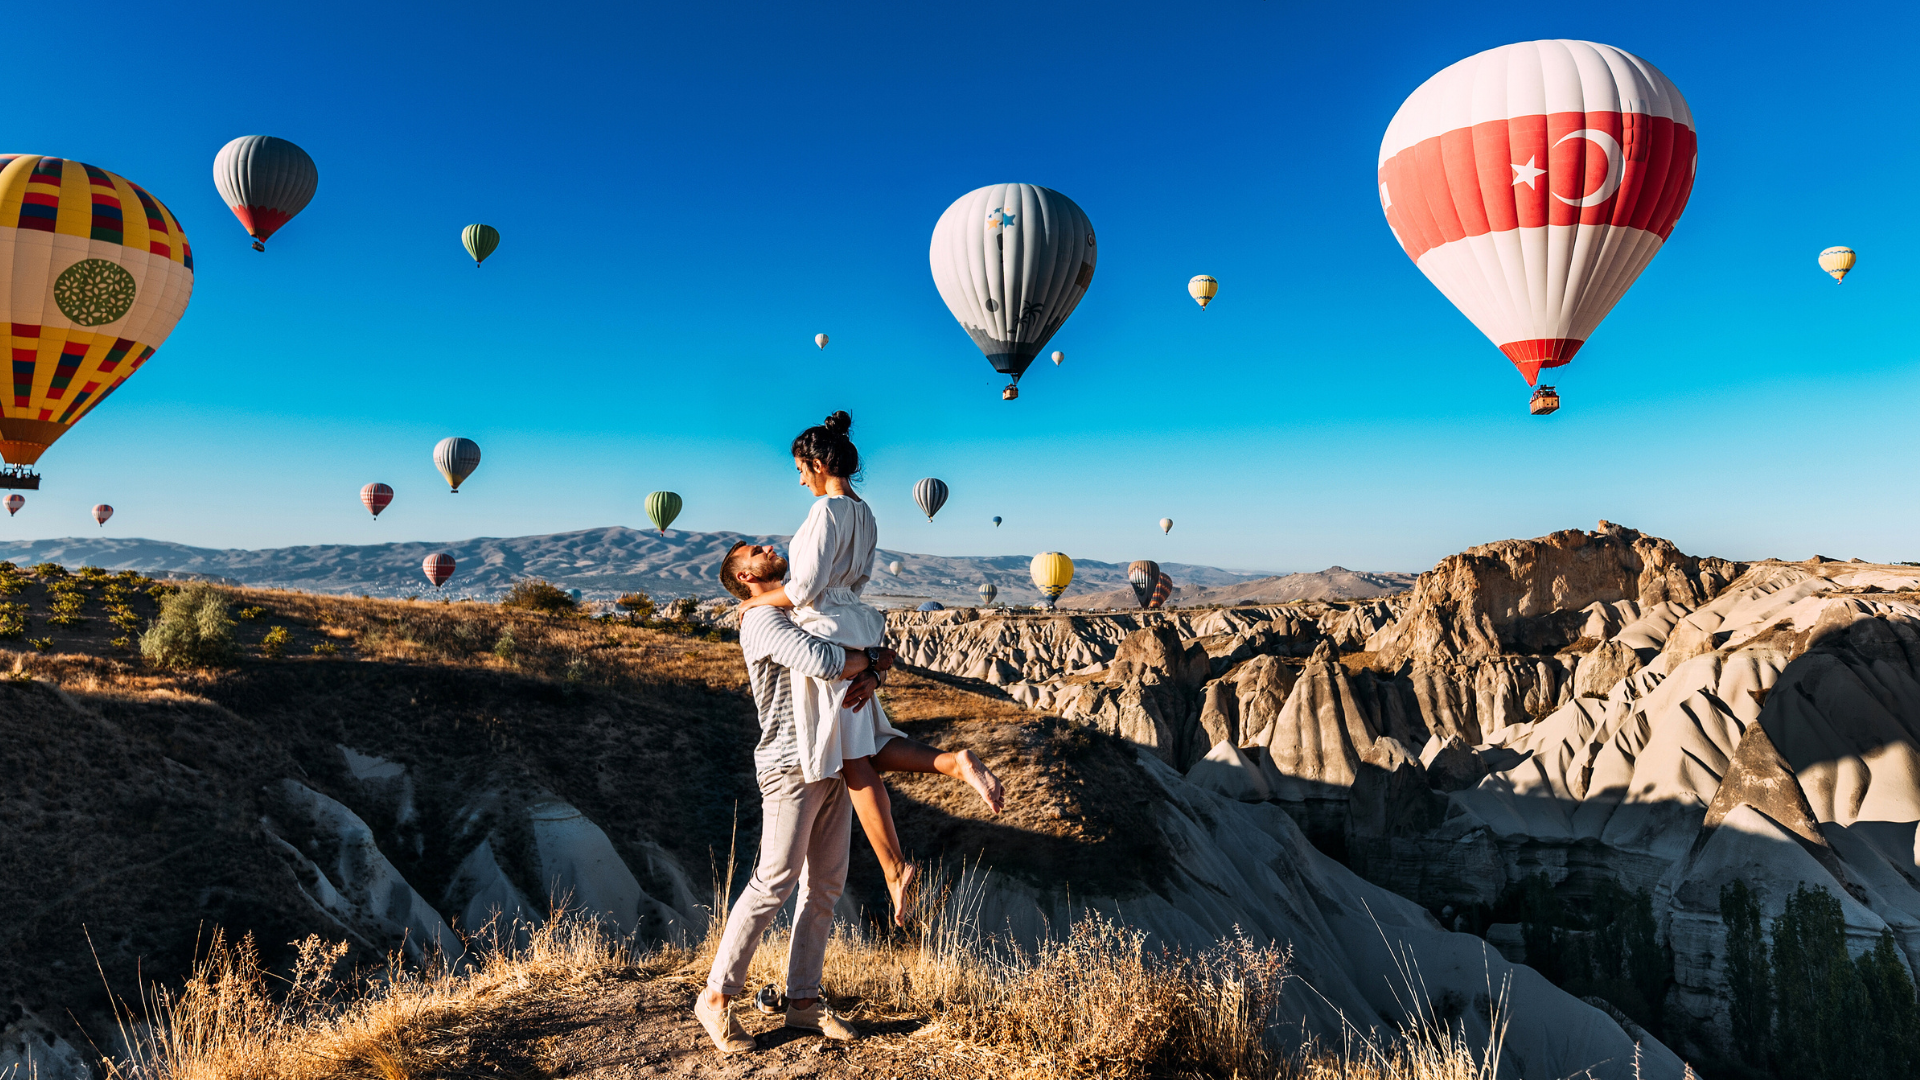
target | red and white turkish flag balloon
[{"x": 1532, "y": 183}]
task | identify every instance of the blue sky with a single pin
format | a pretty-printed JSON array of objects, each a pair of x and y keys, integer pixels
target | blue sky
[{"x": 688, "y": 193}]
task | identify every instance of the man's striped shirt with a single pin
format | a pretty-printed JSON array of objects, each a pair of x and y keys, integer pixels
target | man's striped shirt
[{"x": 775, "y": 649}]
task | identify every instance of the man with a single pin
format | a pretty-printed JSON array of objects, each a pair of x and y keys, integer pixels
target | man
[{"x": 804, "y": 827}]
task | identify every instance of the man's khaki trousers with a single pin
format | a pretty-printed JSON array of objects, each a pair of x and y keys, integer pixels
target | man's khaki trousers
[{"x": 803, "y": 841}]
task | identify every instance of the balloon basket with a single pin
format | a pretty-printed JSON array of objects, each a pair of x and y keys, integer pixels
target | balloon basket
[
  {"x": 19, "y": 478},
  {"x": 1011, "y": 392},
  {"x": 1545, "y": 400},
  {"x": 259, "y": 245}
]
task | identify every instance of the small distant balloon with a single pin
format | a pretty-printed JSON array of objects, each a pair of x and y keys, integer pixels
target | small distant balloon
[
  {"x": 1143, "y": 575},
  {"x": 375, "y": 498},
  {"x": 479, "y": 240},
  {"x": 1837, "y": 261},
  {"x": 14, "y": 503},
  {"x": 820, "y": 340},
  {"x": 1057, "y": 357},
  {"x": 438, "y": 568},
  {"x": 101, "y": 513},
  {"x": 1166, "y": 526},
  {"x": 996, "y": 522},
  {"x": 932, "y": 605},
  {"x": 988, "y": 592},
  {"x": 662, "y": 508},
  {"x": 1202, "y": 288},
  {"x": 1160, "y": 592},
  {"x": 931, "y": 495},
  {"x": 894, "y": 567},
  {"x": 456, "y": 458}
]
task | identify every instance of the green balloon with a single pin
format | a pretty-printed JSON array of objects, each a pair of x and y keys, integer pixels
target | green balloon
[
  {"x": 663, "y": 507},
  {"x": 480, "y": 240}
]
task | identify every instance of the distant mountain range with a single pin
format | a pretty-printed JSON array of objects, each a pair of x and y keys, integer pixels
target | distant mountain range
[
  {"x": 1333, "y": 583},
  {"x": 601, "y": 563}
]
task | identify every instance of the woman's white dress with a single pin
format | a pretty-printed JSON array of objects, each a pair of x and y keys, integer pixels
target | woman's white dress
[{"x": 829, "y": 562}]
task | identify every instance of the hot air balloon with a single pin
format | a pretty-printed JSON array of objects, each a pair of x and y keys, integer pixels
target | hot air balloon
[
  {"x": 14, "y": 503},
  {"x": 456, "y": 458},
  {"x": 663, "y": 507},
  {"x": 1201, "y": 288},
  {"x": 988, "y": 592},
  {"x": 1533, "y": 182},
  {"x": 1166, "y": 526},
  {"x": 996, "y": 521},
  {"x": 1837, "y": 261},
  {"x": 438, "y": 568},
  {"x": 1052, "y": 573},
  {"x": 1143, "y": 575},
  {"x": 1161, "y": 590},
  {"x": 479, "y": 240},
  {"x": 820, "y": 340},
  {"x": 1057, "y": 357},
  {"x": 894, "y": 567},
  {"x": 932, "y": 605},
  {"x": 375, "y": 498},
  {"x": 931, "y": 494},
  {"x": 94, "y": 273},
  {"x": 1012, "y": 261},
  {"x": 265, "y": 181},
  {"x": 101, "y": 513}
]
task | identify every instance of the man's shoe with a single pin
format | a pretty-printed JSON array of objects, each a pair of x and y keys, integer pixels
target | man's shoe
[
  {"x": 820, "y": 1017},
  {"x": 723, "y": 1027}
]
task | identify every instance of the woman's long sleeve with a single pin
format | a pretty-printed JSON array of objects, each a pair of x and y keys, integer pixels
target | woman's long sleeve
[{"x": 811, "y": 557}]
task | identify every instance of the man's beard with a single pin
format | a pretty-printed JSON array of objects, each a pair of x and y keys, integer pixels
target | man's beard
[{"x": 769, "y": 568}]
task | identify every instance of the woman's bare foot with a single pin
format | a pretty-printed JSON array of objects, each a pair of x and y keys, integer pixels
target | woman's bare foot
[
  {"x": 905, "y": 893},
  {"x": 975, "y": 772}
]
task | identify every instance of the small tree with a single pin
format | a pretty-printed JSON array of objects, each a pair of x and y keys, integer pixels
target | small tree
[
  {"x": 639, "y": 607},
  {"x": 192, "y": 630},
  {"x": 683, "y": 609},
  {"x": 534, "y": 594},
  {"x": 275, "y": 643},
  {"x": 1749, "y": 976}
]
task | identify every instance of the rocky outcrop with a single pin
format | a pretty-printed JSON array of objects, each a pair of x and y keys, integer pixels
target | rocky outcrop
[{"x": 1528, "y": 595}]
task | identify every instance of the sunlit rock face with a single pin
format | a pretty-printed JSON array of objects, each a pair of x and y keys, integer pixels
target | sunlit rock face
[{"x": 1593, "y": 706}]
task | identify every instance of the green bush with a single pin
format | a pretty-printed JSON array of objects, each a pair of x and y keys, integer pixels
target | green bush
[
  {"x": 192, "y": 630},
  {"x": 325, "y": 648},
  {"x": 504, "y": 648},
  {"x": 47, "y": 571},
  {"x": 252, "y": 613},
  {"x": 534, "y": 594},
  {"x": 275, "y": 643},
  {"x": 13, "y": 620},
  {"x": 639, "y": 607}
]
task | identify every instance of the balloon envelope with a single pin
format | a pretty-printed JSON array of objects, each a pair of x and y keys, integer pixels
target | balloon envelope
[
  {"x": 1012, "y": 261},
  {"x": 932, "y": 605},
  {"x": 820, "y": 340},
  {"x": 1202, "y": 288},
  {"x": 456, "y": 458},
  {"x": 1057, "y": 357},
  {"x": 996, "y": 521},
  {"x": 1837, "y": 261},
  {"x": 1143, "y": 575},
  {"x": 1052, "y": 573},
  {"x": 894, "y": 567},
  {"x": 94, "y": 274},
  {"x": 14, "y": 503},
  {"x": 931, "y": 495},
  {"x": 102, "y": 512},
  {"x": 1532, "y": 184},
  {"x": 265, "y": 181},
  {"x": 1161, "y": 590},
  {"x": 988, "y": 592},
  {"x": 1166, "y": 525},
  {"x": 662, "y": 508},
  {"x": 375, "y": 498},
  {"x": 438, "y": 568},
  {"x": 479, "y": 240}
]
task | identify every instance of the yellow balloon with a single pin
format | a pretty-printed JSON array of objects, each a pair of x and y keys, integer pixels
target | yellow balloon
[
  {"x": 94, "y": 273},
  {"x": 1202, "y": 288},
  {"x": 1052, "y": 573},
  {"x": 1837, "y": 261}
]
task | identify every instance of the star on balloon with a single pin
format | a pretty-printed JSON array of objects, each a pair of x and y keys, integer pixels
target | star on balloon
[
  {"x": 1526, "y": 174},
  {"x": 998, "y": 218}
]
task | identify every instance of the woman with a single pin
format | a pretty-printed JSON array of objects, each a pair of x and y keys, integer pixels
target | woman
[{"x": 831, "y": 560}]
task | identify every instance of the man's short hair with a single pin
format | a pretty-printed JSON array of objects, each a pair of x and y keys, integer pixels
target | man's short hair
[{"x": 730, "y": 568}]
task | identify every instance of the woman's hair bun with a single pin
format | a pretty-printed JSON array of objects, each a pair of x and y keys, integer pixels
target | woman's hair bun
[{"x": 838, "y": 424}]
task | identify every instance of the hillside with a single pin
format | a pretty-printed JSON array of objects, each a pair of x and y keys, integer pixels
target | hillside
[
  {"x": 602, "y": 563},
  {"x": 1333, "y": 583}
]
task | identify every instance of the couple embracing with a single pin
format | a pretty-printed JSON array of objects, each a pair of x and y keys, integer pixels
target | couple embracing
[{"x": 815, "y": 658}]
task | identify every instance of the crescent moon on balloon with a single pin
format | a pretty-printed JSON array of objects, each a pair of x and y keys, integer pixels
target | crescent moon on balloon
[{"x": 1616, "y": 166}]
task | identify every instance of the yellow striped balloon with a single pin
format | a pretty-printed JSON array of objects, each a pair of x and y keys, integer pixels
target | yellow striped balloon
[
  {"x": 1202, "y": 288},
  {"x": 1837, "y": 261},
  {"x": 1052, "y": 573},
  {"x": 94, "y": 274}
]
